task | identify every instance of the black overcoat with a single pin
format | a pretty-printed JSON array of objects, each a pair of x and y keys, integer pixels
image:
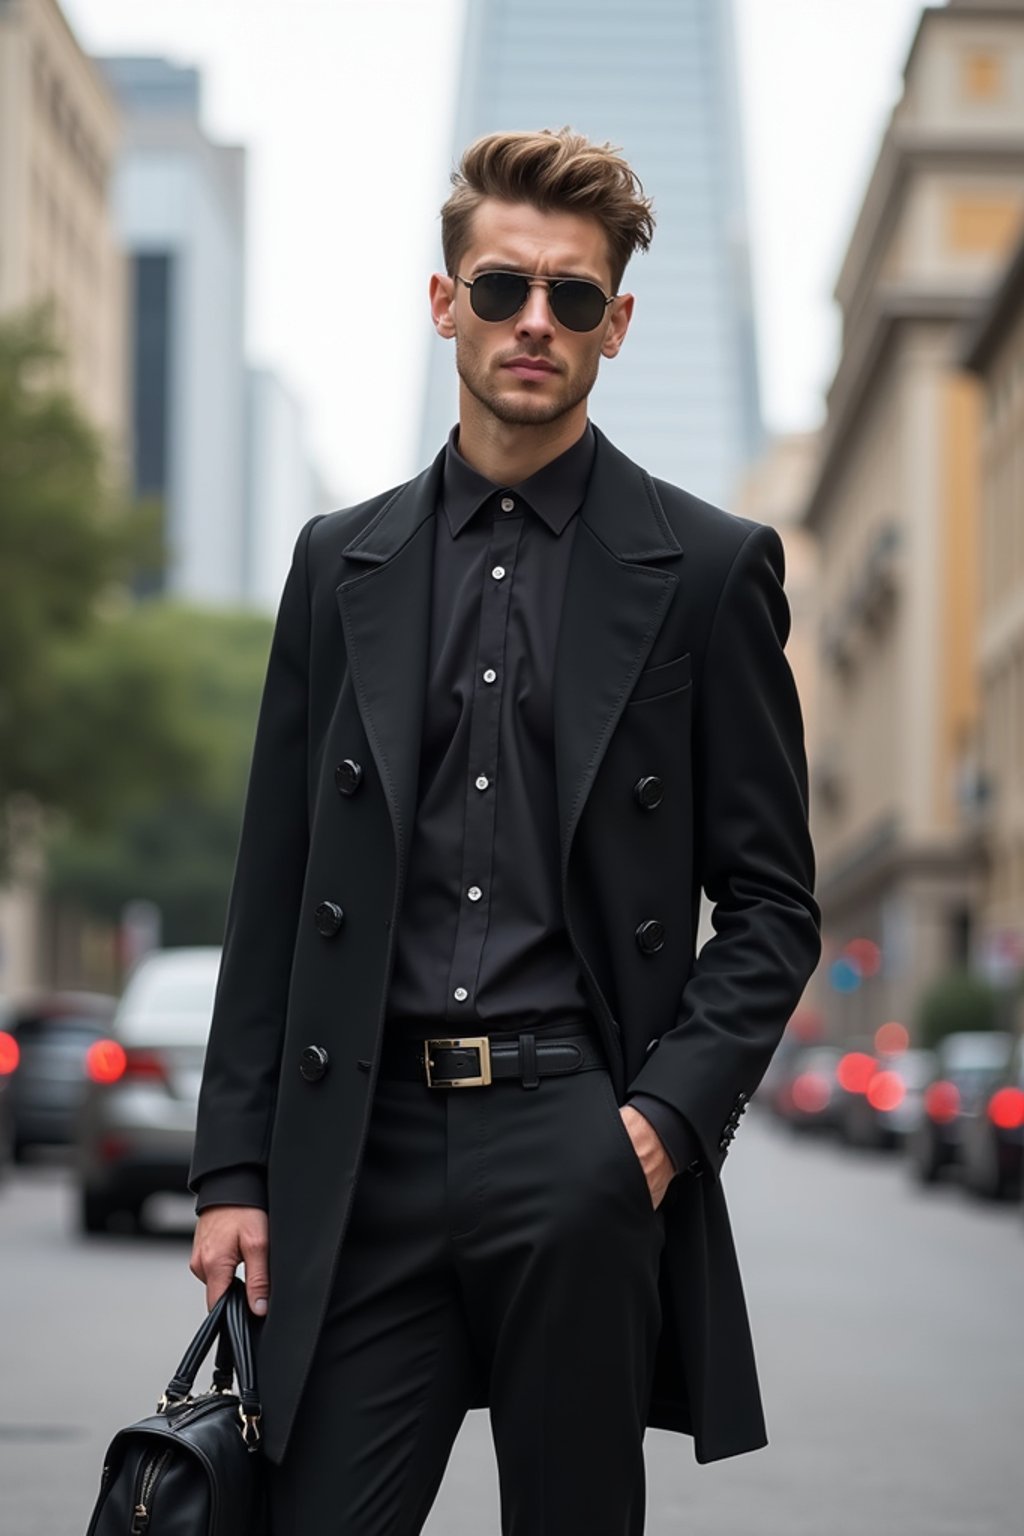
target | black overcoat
[{"x": 669, "y": 663}]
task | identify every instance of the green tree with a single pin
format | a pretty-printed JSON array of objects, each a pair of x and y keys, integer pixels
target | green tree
[
  {"x": 958, "y": 1000},
  {"x": 68, "y": 549},
  {"x": 174, "y": 837}
]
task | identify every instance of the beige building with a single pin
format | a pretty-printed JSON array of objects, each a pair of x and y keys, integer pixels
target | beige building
[
  {"x": 774, "y": 489},
  {"x": 58, "y": 136},
  {"x": 894, "y": 507},
  {"x": 995, "y": 351}
]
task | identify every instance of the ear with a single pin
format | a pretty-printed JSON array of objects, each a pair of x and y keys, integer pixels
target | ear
[
  {"x": 442, "y": 297},
  {"x": 619, "y": 316}
]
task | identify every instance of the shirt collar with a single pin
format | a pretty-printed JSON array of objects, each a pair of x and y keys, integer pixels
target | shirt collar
[{"x": 554, "y": 493}]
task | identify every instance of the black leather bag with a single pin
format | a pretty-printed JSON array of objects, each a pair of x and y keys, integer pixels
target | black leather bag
[{"x": 195, "y": 1466}]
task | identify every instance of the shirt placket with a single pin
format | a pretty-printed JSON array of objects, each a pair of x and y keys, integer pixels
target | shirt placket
[{"x": 489, "y": 677}]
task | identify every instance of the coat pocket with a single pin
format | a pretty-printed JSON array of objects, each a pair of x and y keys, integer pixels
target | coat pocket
[
  {"x": 624, "y": 1139},
  {"x": 666, "y": 677}
]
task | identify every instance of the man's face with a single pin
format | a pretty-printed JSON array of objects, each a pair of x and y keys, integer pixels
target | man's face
[{"x": 529, "y": 370}]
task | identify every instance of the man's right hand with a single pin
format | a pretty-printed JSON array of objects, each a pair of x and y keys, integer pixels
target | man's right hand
[{"x": 226, "y": 1235}]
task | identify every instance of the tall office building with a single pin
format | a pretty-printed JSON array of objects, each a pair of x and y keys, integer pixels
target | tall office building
[
  {"x": 179, "y": 204},
  {"x": 657, "y": 79}
]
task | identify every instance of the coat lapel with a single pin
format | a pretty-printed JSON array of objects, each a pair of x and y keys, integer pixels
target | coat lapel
[
  {"x": 385, "y": 611},
  {"x": 613, "y": 608}
]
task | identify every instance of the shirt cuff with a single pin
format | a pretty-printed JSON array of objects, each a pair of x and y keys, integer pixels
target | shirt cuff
[
  {"x": 244, "y": 1185},
  {"x": 678, "y": 1137}
]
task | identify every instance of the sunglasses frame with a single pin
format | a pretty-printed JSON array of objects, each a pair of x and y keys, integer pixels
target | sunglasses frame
[{"x": 532, "y": 279}]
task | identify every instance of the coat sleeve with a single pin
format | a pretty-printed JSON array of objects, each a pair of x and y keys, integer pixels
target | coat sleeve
[
  {"x": 754, "y": 857},
  {"x": 239, "y": 1086}
]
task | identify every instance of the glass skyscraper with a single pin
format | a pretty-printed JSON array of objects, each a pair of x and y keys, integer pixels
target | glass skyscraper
[{"x": 658, "y": 79}]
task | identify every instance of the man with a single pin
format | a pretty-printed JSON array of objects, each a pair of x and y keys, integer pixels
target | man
[{"x": 468, "y": 1085}]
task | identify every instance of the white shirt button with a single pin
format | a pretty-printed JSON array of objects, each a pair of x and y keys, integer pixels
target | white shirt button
[
  {"x": 482, "y": 781},
  {"x": 460, "y": 994},
  {"x": 507, "y": 504},
  {"x": 498, "y": 572},
  {"x": 490, "y": 675},
  {"x": 474, "y": 893}
]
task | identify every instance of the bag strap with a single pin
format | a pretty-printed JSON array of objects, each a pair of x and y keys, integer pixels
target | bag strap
[
  {"x": 181, "y": 1383},
  {"x": 228, "y": 1322},
  {"x": 224, "y": 1362},
  {"x": 238, "y": 1330}
]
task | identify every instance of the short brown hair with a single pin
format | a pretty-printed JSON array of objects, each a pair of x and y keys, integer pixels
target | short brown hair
[{"x": 551, "y": 170}]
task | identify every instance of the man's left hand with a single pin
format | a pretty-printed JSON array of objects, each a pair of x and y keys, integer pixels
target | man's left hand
[{"x": 658, "y": 1167}]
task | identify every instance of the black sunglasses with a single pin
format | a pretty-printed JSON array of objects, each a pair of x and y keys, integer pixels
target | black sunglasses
[{"x": 577, "y": 304}]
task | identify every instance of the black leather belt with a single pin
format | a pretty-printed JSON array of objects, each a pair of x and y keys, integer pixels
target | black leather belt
[{"x": 474, "y": 1061}]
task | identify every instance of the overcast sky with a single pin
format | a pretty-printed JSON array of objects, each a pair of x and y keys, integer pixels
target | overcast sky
[{"x": 346, "y": 108}]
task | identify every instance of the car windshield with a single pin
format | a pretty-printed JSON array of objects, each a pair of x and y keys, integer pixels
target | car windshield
[
  {"x": 975, "y": 1053},
  {"x": 820, "y": 1059},
  {"x": 46, "y": 1027},
  {"x": 169, "y": 998}
]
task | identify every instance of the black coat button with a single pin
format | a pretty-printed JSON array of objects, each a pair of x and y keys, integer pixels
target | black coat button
[
  {"x": 328, "y": 918},
  {"x": 649, "y": 791},
  {"x": 313, "y": 1063},
  {"x": 348, "y": 776},
  {"x": 650, "y": 935}
]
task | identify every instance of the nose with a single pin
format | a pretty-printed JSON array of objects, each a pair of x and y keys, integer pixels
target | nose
[{"x": 535, "y": 319}]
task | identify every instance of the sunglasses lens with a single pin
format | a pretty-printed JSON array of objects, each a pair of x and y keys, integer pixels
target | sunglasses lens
[
  {"x": 498, "y": 295},
  {"x": 576, "y": 304}
]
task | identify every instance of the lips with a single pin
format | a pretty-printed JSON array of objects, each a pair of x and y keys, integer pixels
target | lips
[{"x": 529, "y": 368}]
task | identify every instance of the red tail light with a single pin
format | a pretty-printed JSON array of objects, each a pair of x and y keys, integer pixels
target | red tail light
[
  {"x": 855, "y": 1070},
  {"x": 1006, "y": 1108},
  {"x": 145, "y": 1064},
  {"x": 105, "y": 1061},
  {"x": 886, "y": 1090},
  {"x": 942, "y": 1102},
  {"x": 810, "y": 1092},
  {"x": 109, "y": 1062},
  {"x": 10, "y": 1055}
]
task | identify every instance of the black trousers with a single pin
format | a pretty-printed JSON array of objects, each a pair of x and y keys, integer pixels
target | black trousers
[{"x": 501, "y": 1238}]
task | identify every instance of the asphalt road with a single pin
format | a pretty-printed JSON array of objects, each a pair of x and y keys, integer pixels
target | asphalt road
[{"x": 888, "y": 1321}]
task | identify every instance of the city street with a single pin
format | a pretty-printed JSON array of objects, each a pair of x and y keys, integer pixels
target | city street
[{"x": 888, "y": 1322}]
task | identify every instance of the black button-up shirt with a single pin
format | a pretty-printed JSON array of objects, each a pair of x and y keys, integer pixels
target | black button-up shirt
[{"x": 481, "y": 942}]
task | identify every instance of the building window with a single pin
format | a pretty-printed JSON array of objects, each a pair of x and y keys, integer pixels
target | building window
[
  {"x": 153, "y": 297},
  {"x": 985, "y": 225},
  {"x": 960, "y": 936},
  {"x": 982, "y": 76}
]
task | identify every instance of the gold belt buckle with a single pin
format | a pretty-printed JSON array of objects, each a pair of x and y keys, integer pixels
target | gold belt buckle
[{"x": 480, "y": 1043}]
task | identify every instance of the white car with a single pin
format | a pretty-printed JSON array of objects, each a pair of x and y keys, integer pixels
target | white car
[{"x": 137, "y": 1123}]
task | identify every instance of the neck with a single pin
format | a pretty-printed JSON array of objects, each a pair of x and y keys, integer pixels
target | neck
[{"x": 507, "y": 453}]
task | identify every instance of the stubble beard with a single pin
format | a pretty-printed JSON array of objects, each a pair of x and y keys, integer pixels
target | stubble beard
[{"x": 523, "y": 410}]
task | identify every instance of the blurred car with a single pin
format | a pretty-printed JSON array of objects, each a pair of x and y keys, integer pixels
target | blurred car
[
  {"x": 137, "y": 1122},
  {"x": 883, "y": 1098},
  {"x": 771, "y": 1092},
  {"x": 9, "y": 1054},
  {"x": 992, "y": 1138},
  {"x": 806, "y": 1098},
  {"x": 53, "y": 1033},
  {"x": 968, "y": 1063}
]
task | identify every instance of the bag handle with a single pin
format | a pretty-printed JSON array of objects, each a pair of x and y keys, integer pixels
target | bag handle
[
  {"x": 228, "y": 1322},
  {"x": 181, "y": 1383},
  {"x": 238, "y": 1331}
]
